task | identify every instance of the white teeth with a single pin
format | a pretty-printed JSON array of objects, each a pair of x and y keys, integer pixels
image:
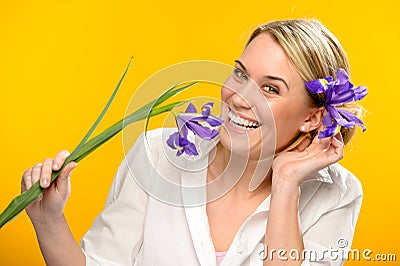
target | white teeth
[{"x": 242, "y": 124}]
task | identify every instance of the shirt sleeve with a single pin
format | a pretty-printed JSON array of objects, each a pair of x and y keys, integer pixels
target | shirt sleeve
[
  {"x": 328, "y": 240},
  {"x": 116, "y": 235}
]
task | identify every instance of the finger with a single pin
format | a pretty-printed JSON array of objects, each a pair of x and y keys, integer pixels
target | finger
[
  {"x": 60, "y": 159},
  {"x": 339, "y": 138},
  {"x": 36, "y": 170},
  {"x": 64, "y": 178},
  {"x": 319, "y": 145},
  {"x": 303, "y": 145},
  {"x": 338, "y": 145},
  {"x": 26, "y": 181},
  {"x": 324, "y": 144},
  {"x": 45, "y": 174}
]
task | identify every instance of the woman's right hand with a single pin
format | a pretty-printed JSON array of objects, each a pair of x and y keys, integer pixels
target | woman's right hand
[{"x": 50, "y": 204}]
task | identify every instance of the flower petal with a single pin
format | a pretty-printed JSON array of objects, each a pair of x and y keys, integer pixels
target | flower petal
[
  {"x": 338, "y": 118},
  {"x": 342, "y": 88},
  {"x": 176, "y": 141},
  {"x": 351, "y": 117},
  {"x": 317, "y": 86},
  {"x": 213, "y": 134},
  {"x": 360, "y": 92},
  {"x": 201, "y": 131},
  {"x": 214, "y": 121},
  {"x": 328, "y": 131},
  {"x": 344, "y": 97},
  {"x": 200, "y": 124},
  {"x": 328, "y": 94},
  {"x": 211, "y": 120},
  {"x": 191, "y": 109},
  {"x": 173, "y": 138},
  {"x": 337, "y": 92},
  {"x": 342, "y": 76},
  {"x": 327, "y": 120},
  {"x": 183, "y": 118},
  {"x": 329, "y": 79},
  {"x": 182, "y": 142},
  {"x": 190, "y": 149},
  {"x": 184, "y": 131},
  {"x": 206, "y": 109}
]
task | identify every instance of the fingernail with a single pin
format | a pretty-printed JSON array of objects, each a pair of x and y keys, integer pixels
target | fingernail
[
  {"x": 44, "y": 182},
  {"x": 55, "y": 166}
]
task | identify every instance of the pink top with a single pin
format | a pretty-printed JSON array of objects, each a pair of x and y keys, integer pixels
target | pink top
[{"x": 220, "y": 256}]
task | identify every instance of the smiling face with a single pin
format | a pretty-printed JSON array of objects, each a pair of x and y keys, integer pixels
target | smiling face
[{"x": 264, "y": 98}]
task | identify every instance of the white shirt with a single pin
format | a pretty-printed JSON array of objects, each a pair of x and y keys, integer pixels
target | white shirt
[{"x": 138, "y": 227}]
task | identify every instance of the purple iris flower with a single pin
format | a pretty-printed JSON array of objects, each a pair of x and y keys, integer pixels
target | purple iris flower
[
  {"x": 338, "y": 92},
  {"x": 179, "y": 141},
  {"x": 200, "y": 124}
]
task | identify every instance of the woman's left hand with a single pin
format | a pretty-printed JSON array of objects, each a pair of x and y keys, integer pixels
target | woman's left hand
[{"x": 307, "y": 158}]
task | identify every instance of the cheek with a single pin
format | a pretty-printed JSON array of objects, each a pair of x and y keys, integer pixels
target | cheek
[
  {"x": 285, "y": 119},
  {"x": 226, "y": 93},
  {"x": 287, "y": 123},
  {"x": 229, "y": 88}
]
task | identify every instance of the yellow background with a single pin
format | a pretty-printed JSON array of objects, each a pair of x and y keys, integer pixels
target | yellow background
[{"x": 60, "y": 60}]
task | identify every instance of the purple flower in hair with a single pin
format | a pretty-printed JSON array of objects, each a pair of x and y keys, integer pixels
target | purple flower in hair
[
  {"x": 200, "y": 124},
  {"x": 338, "y": 92}
]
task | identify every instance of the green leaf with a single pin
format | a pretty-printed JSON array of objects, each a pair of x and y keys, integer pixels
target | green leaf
[
  {"x": 84, "y": 148},
  {"x": 85, "y": 138},
  {"x": 103, "y": 137},
  {"x": 165, "y": 96},
  {"x": 19, "y": 203}
]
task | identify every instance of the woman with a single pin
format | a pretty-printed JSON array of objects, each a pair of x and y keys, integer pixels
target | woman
[{"x": 304, "y": 202}]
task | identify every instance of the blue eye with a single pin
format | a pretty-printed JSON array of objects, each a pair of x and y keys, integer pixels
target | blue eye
[
  {"x": 270, "y": 89},
  {"x": 240, "y": 74}
]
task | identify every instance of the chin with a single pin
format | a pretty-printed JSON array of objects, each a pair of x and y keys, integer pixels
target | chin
[{"x": 244, "y": 145}]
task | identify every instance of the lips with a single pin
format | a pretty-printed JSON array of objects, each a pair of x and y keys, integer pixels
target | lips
[{"x": 241, "y": 123}]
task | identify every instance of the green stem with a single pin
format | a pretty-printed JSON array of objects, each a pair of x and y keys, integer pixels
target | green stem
[{"x": 19, "y": 203}]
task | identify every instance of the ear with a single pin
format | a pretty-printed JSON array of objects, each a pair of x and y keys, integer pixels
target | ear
[{"x": 314, "y": 119}]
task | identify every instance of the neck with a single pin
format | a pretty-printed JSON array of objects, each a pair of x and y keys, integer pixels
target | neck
[{"x": 236, "y": 174}]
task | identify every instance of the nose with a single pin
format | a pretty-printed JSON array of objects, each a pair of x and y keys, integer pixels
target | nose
[
  {"x": 242, "y": 98},
  {"x": 239, "y": 102}
]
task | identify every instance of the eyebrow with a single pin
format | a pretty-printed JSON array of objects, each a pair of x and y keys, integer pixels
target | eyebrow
[{"x": 266, "y": 76}]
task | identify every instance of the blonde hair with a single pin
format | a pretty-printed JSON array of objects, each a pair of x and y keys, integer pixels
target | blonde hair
[{"x": 315, "y": 53}]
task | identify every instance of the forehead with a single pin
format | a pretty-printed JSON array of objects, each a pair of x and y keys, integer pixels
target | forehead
[{"x": 265, "y": 56}]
